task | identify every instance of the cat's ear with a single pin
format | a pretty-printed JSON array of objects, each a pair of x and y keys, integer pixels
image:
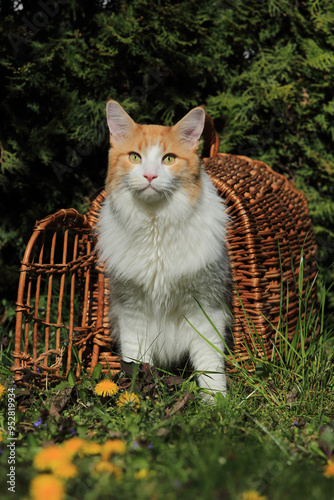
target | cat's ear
[
  {"x": 119, "y": 122},
  {"x": 191, "y": 127}
]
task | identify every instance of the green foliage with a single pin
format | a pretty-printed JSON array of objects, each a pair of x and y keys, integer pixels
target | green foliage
[
  {"x": 264, "y": 70},
  {"x": 273, "y": 433},
  {"x": 302, "y": 364}
]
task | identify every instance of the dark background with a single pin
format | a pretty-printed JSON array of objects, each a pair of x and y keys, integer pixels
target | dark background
[{"x": 263, "y": 69}]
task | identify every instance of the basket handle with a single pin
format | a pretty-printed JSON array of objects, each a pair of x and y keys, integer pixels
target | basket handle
[{"x": 210, "y": 137}]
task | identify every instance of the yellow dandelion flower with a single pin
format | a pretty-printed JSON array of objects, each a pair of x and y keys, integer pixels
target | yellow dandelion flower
[
  {"x": 107, "y": 467},
  {"x": 106, "y": 388},
  {"x": 329, "y": 469},
  {"x": 72, "y": 446},
  {"x": 1, "y": 436},
  {"x": 65, "y": 470},
  {"x": 2, "y": 390},
  {"x": 50, "y": 457},
  {"x": 90, "y": 448},
  {"x": 128, "y": 400},
  {"x": 112, "y": 447},
  {"x": 141, "y": 474},
  {"x": 252, "y": 495},
  {"x": 46, "y": 486}
]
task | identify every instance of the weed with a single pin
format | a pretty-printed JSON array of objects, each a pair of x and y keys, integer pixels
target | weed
[{"x": 273, "y": 434}]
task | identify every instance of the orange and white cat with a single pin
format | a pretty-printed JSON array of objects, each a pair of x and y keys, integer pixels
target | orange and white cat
[{"x": 162, "y": 233}]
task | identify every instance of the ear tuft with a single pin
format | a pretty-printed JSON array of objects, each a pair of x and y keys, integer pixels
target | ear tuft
[
  {"x": 191, "y": 127},
  {"x": 119, "y": 122}
]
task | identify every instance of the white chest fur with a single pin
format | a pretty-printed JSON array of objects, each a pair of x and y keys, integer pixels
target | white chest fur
[{"x": 157, "y": 249}]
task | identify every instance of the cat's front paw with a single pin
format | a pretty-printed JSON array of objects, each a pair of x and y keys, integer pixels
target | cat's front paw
[{"x": 209, "y": 397}]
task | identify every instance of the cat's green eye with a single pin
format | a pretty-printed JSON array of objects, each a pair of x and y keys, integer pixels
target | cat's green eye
[
  {"x": 169, "y": 159},
  {"x": 134, "y": 157}
]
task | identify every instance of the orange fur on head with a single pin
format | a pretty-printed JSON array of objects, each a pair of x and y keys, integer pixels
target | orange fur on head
[{"x": 181, "y": 140}]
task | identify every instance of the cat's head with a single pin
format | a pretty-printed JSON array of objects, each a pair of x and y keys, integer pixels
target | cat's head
[{"x": 153, "y": 161}]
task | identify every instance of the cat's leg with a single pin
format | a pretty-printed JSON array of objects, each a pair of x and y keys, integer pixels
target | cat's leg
[
  {"x": 206, "y": 353},
  {"x": 134, "y": 335}
]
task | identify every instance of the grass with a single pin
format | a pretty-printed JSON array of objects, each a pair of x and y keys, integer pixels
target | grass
[{"x": 272, "y": 435}]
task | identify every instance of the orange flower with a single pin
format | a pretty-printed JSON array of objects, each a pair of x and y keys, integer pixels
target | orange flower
[
  {"x": 107, "y": 467},
  {"x": 72, "y": 446},
  {"x": 106, "y": 388},
  {"x": 90, "y": 448},
  {"x": 46, "y": 486},
  {"x": 329, "y": 469},
  {"x": 50, "y": 457},
  {"x": 142, "y": 474},
  {"x": 65, "y": 470},
  {"x": 2, "y": 390},
  {"x": 252, "y": 495},
  {"x": 128, "y": 400},
  {"x": 112, "y": 447}
]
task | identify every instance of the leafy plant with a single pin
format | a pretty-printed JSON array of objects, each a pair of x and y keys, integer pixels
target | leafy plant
[{"x": 264, "y": 72}]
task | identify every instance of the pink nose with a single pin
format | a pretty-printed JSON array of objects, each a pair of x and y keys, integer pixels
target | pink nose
[{"x": 150, "y": 177}]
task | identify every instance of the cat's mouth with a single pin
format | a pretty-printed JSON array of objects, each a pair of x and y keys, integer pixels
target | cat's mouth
[
  {"x": 150, "y": 193},
  {"x": 150, "y": 187}
]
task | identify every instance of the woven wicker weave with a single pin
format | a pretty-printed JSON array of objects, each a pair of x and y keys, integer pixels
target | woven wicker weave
[{"x": 63, "y": 294}]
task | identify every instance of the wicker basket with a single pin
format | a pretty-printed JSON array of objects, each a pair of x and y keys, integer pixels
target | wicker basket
[{"x": 63, "y": 294}]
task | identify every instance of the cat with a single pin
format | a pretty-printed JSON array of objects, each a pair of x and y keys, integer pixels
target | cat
[{"x": 162, "y": 235}]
